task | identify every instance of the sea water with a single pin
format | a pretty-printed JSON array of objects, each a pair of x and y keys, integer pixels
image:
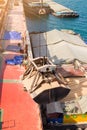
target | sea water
[{"x": 46, "y": 23}]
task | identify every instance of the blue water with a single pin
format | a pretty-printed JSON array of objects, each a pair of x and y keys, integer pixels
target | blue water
[{"x": 46, "y": 23}]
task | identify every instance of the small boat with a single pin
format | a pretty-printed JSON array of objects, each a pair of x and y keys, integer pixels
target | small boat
[{"x": 37, "y": 8}]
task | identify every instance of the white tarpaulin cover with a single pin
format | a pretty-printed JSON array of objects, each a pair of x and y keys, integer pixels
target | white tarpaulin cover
[
  {"x": 54, "y": 107},
  {"x": 59, "y": 46}
]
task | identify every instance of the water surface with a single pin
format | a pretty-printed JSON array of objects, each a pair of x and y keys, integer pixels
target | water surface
[{"x": 49, "y": 22}]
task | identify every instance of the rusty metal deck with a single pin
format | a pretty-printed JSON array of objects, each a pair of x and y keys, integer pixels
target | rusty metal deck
[{"x": 20, "y": 112}]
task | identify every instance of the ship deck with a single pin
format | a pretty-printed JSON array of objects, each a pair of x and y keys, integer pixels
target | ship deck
[{"x": 20, "y": 112}]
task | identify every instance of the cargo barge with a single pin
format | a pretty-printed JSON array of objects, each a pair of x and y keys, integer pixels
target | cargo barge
[{"x": 60, "y": 111}]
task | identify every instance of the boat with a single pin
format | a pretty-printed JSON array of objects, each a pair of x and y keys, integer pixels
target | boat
[
  {"x": 35, "y": 93},
  {"x": 66, "y": 112},
  {"x": 36, "y": 8}
]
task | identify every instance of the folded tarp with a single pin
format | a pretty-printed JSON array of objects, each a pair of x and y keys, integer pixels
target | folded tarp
[
  {"x": 10, "y": 61},
  {"x": 19, "y": 58},
  {"x": 13, "y": 35},
  {"x": 13, "y": 48},
  {"x": 15, "y": 61}
]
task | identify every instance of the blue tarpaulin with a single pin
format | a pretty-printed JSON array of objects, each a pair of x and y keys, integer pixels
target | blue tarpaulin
[
  {"x": 15, "y": 61},
  {"x": 10, "y": 61},
  {"x": 13, "y": 35}
]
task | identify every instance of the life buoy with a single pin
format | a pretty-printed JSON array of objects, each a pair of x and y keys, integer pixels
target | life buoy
[{"x": 42, "y": 11}]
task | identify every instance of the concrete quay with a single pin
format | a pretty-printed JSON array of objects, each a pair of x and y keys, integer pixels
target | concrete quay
[{"x": 58, "y": 9}]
